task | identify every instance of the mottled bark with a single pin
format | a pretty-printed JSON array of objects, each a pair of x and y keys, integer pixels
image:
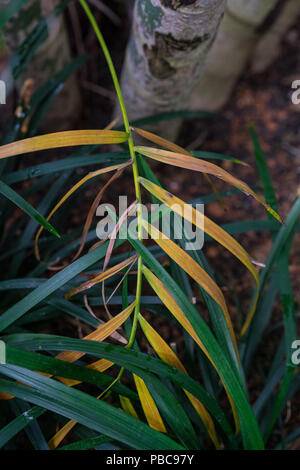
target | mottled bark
[
  {"x": 49, "y": 58},
  {"x": 268, "y": 47},
  {"x": 165, "y": 54},
  {"x": 245, "y": 21}
]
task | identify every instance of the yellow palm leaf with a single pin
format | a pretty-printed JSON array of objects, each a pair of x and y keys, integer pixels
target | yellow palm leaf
[
  {"x": 167, "y": 355},
  {"x": 62, "y": 139},
  {"x": 74, "y": 188},
  {"x": 176, "y": 148},
  {"x": 209, "y": 227},
  {"x": 151, "y": 412},
  {"x": 192, "y": 163},
  {"x": 149, "y": 407},
  {"x": 101, "y": 277},
  {"x": 190, "y": 266},
  {"x": 171, "y": 305},
  {"x": 100, "y": 366},
  {"x": 128, "y": 406},
  {"x": 161, "y": 141},
  {"x": 100, "y": 334}
]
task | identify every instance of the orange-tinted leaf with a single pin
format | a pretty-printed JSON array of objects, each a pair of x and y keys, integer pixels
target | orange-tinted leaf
[
  {"x": 101, "y": 277},
  {"x": 167, "y": 144},
  {"x": 100, "y": 334},
  {"x": 171, "y": 305},
  {"x": 61, "y": 434},
  {"x": 88, "y": 220},
  {"x": 161, "y": 141},
  {"x": 176, "y": 148},
  {"x": 100, "y": 366},
  {"x": 180, "y": 316},
  {"x": 190, "y": 266}
]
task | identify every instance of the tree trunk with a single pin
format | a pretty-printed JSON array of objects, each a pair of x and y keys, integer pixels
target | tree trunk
[
  {"x": 268, "y": 47},
  {"x": 49, "y": 59},
  {"x": 168, "y": 44},
  {"x": 238, "y": 34}
]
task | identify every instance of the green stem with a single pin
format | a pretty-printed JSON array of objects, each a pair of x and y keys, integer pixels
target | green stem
[
  {"x": 133, "y": 156},
  {"x": 138, "y": 303}
]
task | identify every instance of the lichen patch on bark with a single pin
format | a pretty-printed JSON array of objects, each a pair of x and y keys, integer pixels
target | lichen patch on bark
[{"x": 166, "y": 53}]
